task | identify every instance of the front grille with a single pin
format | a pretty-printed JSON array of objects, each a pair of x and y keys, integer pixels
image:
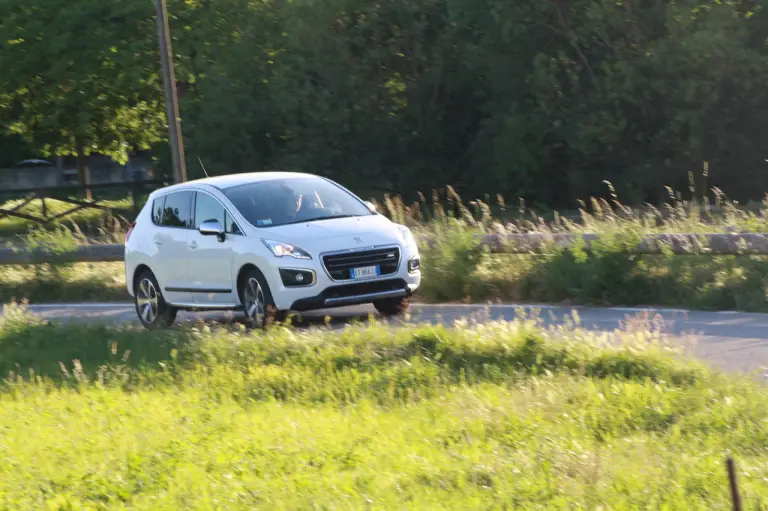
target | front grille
[{"x": 339, "y": 265}]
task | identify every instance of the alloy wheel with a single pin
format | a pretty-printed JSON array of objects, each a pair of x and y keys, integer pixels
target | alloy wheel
[
  {"x": 147, "y": 301},
  {"x": 254, "y": 301}
]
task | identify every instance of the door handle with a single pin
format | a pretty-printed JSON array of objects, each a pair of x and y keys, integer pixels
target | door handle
[
  {"x": 158, "y": 240},
  {"x": 192, "y": 245}
]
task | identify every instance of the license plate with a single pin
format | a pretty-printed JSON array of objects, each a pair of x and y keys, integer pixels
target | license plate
[{"x": 365, "y": 272}]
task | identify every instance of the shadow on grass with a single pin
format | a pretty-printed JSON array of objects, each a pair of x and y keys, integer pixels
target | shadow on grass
[
  {"x": 58, "y": 288},
  {"x": 43, "y": 348},
  {"x": 28, "y": 343}
]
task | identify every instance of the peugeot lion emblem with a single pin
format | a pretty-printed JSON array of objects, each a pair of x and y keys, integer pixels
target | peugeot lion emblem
[{"x": 358, "y": 240}]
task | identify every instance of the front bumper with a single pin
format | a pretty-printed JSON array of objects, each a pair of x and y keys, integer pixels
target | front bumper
[
  {"x": 324, "y": 292},
  {"x": 354, "y": 294}
]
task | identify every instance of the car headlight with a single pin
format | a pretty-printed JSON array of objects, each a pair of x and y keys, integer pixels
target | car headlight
[
  {"x": 407, "y": 236},
  {"x": 280, "y": 249}
]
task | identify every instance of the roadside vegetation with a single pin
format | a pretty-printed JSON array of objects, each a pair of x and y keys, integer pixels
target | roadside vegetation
[
  {"x": 458, "y": 268},
  {"x": 92, "y": 221},
  {"x": 368, "y": 417}
]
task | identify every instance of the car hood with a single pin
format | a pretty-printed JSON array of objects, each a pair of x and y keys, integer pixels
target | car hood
[{"x": 337, "y": 234}]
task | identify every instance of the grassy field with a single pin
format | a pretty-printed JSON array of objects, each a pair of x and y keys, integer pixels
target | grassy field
[
  {"x": 459, "y": 269},
  {"x": 494, "y": 416}
]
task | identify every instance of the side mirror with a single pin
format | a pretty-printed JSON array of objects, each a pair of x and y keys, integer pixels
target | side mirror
[
  {"x": 212, "y": 228},
  {"x": 371, "y": 206}
]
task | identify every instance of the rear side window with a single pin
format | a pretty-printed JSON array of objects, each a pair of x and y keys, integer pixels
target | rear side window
[
  {"x": 157, "y": 210},
  {"x": 177, "y": 210}
]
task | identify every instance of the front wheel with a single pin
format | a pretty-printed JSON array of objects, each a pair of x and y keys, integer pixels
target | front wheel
[
  {"x": 393, "y": 306},
  {"x": 152, "y": 309},
  {"x": 260, "y": 310}
]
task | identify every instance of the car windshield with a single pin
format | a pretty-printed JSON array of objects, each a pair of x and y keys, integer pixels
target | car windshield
[{"x": 293, "y": 200}]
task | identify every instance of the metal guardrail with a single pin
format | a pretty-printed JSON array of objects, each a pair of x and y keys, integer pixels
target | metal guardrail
[{"x": 534, "y": 243}]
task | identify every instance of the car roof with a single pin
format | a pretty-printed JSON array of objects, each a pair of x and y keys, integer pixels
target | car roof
[{"x": 232, "y": 180}]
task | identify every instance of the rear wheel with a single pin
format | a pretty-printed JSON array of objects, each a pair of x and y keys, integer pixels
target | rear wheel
[
  {"x": 260, "y": 310},
  {"x": 152, "y": 309},
  {"x": 393, "y": 306}
]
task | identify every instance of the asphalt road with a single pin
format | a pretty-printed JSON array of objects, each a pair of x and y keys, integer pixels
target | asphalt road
[{"x": 731, "y": 341}]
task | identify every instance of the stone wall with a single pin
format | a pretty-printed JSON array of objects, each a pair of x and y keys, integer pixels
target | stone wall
[
  {"x": 19, "y": 179},
  {"x": 102, "y": 170}
]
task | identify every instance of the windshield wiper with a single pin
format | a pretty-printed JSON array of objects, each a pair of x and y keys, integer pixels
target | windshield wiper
[
  {"x": 317, "y": 219},
  {"x": 332, "y": 217}
]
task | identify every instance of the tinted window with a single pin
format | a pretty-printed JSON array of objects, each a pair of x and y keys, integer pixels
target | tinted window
[
  {"x": 208, "y": 208},
  {"x": 293, "y": 200},
  {"x": 157, "y": 210},
  {"x": 177, "y": 211}
]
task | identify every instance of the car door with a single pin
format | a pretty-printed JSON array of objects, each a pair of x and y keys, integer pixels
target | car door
[
  {"x": 170, "y": 238},
  {"x": 211, "y": 258}
]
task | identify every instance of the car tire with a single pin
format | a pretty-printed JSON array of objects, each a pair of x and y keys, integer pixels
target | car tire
[
  {"x": 151, "y": 308},
  {"x": 392, "y": 306},
  {"x": 257, "y": 301}
]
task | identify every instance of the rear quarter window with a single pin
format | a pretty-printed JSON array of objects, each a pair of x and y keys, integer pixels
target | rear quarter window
[
  {"x": 157, "y": 210},
  {"x": 177, "y": 209}
]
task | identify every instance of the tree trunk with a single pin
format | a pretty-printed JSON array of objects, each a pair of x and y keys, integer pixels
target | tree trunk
[{"x": 83, "y": 174}]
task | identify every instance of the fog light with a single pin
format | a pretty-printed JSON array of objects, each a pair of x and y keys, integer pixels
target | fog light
[
  {"x": 414, "y": 265},
  {"x": 297, "y": 278}
]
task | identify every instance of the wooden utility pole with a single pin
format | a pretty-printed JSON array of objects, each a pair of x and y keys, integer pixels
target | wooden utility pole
[{"x": 171, "y": 101}]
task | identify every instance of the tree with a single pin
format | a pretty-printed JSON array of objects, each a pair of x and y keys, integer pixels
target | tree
[
  {"x": 81, "y": 78},
  {"x": 540, "y": 99}
]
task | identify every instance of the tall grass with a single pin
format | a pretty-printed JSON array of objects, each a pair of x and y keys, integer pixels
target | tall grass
[
  {"x": 499, "y": 415},
  {"x": 458, "y": 268}
]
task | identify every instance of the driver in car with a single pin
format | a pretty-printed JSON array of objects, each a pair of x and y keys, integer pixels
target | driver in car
[{"x": 288, "y": 204}]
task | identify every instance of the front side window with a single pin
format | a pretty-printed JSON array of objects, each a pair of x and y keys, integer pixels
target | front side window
[
  {"x": 231, "y": 226},
  {"x": 177, "y": 211},
  {"x": 208, "y": 208},
  {"x": 294, "y": 200}
]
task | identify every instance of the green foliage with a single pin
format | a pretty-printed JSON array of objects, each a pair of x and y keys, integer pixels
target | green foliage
[
  {"x": 541, "y": 100},
  {"x": 450, "y": 263},
  {"x": 12, "y": 149},
  {"x": 80, "y": 79},
  {"x": 367, "y": 417}
]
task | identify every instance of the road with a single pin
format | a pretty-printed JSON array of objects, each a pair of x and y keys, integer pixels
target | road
[{"x": 731, "y": 341}]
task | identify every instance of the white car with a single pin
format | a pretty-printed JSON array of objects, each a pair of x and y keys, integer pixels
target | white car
[{"x": 265, "y": 243}]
